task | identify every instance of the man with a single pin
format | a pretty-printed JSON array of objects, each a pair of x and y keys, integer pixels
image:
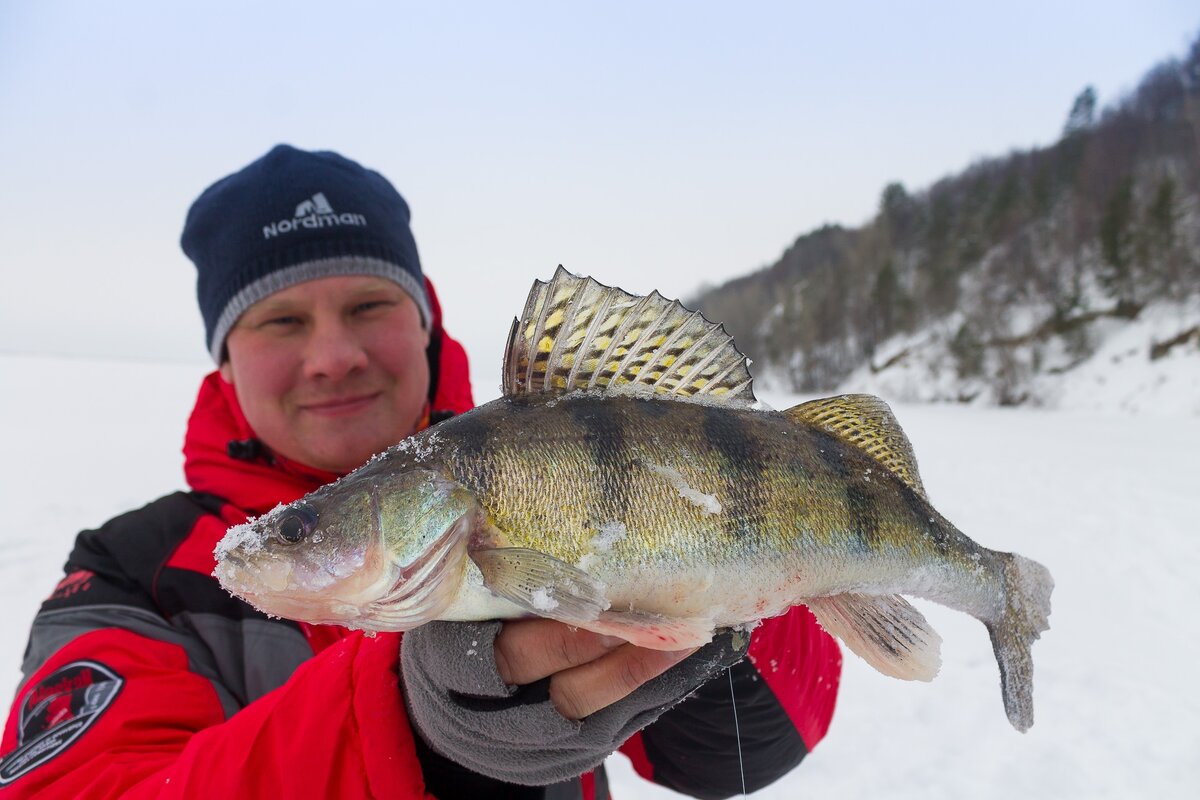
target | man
[{"x": 145, "y": 679}]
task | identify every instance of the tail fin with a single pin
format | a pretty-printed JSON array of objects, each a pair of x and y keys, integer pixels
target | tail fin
[{"x": 1027, "y": 588}]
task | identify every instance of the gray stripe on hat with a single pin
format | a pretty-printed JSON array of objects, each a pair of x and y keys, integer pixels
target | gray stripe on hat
[{"x": 308, "y": 271}]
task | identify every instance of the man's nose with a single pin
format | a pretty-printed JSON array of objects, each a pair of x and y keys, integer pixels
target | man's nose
[{"x": 333, "y": 352}]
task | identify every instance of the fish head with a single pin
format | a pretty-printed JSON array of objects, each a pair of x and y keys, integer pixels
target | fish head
[{"x": 375, "y": 552}]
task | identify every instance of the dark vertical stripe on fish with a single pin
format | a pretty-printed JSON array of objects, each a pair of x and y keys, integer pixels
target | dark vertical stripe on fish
[
  {"x": 926, "y": 518},
  {"x": 863, "y": 518},
  {"x": 832, "y": 452},
  {"x": 472, "y": 436},
  {"x": 654, "y": 408},
  {"x": 742, "y": 468},
  {"x": 730, "y": 436},
  {"x": 604, "y": 434}
]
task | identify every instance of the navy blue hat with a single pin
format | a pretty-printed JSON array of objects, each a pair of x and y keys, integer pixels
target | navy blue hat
[{"x": 294, "y": 216}]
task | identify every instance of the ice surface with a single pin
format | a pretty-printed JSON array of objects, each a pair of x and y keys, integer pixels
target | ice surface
[{"x": 1105, "y": 500}]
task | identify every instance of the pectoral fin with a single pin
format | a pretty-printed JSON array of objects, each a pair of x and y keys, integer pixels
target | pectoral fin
[
  {"x": 547, "y": 587},
  {"x": 884, "y": 630},
  {"x": 542, "y": 584}
]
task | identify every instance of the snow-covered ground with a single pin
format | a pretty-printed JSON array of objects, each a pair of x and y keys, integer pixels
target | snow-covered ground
[{"x": 1107, "y": 501}]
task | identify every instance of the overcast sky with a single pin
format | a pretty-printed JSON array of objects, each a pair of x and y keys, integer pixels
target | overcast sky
[{"x": 650, "y": 144}]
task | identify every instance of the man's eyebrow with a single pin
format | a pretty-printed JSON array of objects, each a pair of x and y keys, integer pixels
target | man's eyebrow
[
  {"x": 376, "y": 284},
  {"x": 271, "y": 305}
]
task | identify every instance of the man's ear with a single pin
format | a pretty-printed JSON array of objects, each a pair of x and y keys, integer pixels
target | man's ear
[{"x": 226, "y": 370}]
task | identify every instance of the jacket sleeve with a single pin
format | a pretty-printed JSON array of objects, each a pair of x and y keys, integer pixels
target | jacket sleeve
[
  {"x": 783, "y": 695},
  {"x": 120, "y": 710}
]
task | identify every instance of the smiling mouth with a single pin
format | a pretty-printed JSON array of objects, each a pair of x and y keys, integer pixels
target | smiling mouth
[{"x": 341, "y": 405}]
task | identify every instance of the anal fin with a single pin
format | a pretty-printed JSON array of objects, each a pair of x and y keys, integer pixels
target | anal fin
[{"x": 884, "y": 630}]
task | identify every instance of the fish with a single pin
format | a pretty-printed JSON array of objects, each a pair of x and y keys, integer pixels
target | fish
[{"x": 628, "y": 482}]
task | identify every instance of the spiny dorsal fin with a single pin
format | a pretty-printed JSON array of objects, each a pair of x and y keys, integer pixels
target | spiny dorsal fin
[
  {"x": 866, "y": 422},
  {"x": 576, "y": 333}
]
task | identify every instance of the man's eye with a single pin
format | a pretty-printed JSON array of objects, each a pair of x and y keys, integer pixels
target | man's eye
[
  {"x": 281, "y": 322},
  {"x": 370, "y": 305}
]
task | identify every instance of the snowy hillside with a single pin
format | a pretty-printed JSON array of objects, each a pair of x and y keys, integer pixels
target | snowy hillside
[
  {"x": 1106, "y": 501},
  {"x": 1133, "y": 367}
]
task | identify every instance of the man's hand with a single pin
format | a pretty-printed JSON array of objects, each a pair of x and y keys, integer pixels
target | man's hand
[
  {"x": 587, "y": 671},
  {"x": 538, "y": 702}
]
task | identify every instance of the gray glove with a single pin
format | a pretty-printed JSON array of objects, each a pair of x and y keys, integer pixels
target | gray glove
[{"x": 464, "y": 711}]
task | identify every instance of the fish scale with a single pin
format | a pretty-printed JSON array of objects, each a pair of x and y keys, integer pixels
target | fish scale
[{"x": 626, "y": 482}]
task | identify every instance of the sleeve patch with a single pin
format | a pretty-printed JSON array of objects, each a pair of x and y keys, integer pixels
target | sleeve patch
[{"x": 56, "y": 712}]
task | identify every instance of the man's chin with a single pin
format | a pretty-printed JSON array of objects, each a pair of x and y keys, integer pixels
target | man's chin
[{"x": 343, "y": 457}]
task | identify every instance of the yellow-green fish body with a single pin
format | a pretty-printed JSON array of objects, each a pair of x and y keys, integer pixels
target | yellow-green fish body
[{"x": 676, "y": 506}]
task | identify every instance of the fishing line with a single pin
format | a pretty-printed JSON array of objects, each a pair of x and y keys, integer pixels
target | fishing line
[{"x": 737, "y": 729}]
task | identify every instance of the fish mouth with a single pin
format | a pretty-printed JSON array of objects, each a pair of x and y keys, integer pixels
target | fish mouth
[
  {"x": 424, "y": 588},
  {"x": 274, "y": 587},
  {"x": 378, "y": 595}
]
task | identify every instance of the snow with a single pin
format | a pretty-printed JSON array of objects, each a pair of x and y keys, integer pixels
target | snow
[
  {"x": 543, "y": 600},
  {"x": 1120, "y": 375},
  {"x": 1106, "y": 500},
  {"x": 246, "y": 537},
  {"x": 707, "y": 503},
  {"x": 610, "y": 533}
]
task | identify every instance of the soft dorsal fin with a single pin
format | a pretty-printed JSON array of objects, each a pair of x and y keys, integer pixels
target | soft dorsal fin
[
  {"x": 866, "y": 422},
  {"x": 576, "y": 333}
]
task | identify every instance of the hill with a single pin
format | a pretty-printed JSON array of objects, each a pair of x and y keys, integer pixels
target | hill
[{"x": 995, "y": 283}]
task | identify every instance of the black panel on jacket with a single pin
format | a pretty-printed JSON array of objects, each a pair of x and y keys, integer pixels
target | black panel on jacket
[
  {"x": 131, "y": 551},
  {"x": 693, "y": 747},
  {"x": 445, "y": 778},
  {"x": 126, "y": 552}
]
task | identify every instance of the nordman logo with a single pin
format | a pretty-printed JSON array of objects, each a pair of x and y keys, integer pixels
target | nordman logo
[{"x": 314, "y": 212}]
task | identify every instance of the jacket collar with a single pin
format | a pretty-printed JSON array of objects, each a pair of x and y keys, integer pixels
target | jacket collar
[{"x": 255, "y": 484}]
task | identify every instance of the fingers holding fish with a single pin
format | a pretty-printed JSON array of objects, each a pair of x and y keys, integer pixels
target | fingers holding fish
[
  {"x": 531, "y": 649},
  {"x": 587, "y": 671},
  {"x": 581, "y": 691}
]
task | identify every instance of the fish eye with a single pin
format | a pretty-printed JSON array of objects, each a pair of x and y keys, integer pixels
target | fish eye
[{"x": 296, "y": 524}]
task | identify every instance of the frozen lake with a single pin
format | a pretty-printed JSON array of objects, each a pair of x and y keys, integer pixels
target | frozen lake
[{"x": 1108, "y": 502}]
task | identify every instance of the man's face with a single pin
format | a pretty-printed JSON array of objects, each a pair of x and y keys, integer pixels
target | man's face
[{"x": 331, "y": 371}]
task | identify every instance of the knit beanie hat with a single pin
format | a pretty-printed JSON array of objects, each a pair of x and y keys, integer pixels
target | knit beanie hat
[{"x": 294, "y": 216}]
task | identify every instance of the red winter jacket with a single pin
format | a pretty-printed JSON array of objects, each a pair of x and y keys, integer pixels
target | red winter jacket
[{"x": 145, "y": 679}]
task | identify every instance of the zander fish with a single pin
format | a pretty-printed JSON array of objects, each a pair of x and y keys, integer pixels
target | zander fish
[{"x": 628, "y": 483}]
